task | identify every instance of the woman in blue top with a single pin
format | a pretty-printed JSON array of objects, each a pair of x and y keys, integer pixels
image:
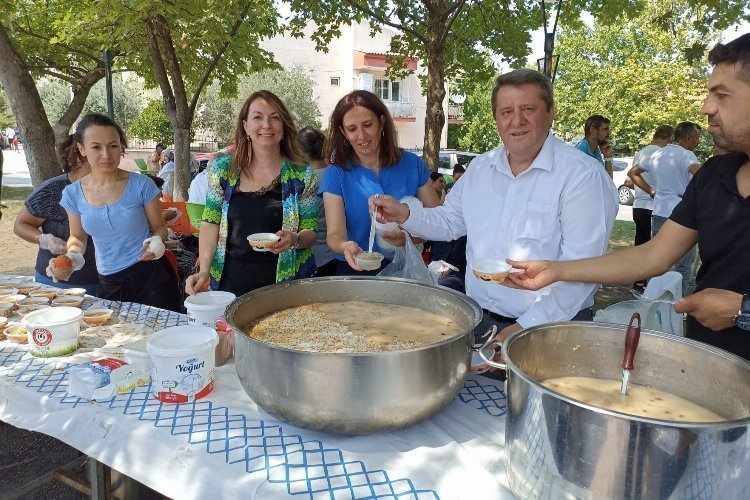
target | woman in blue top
[
  {"x": 362, "y": 142},
  {"x": 120, "y": 211}
]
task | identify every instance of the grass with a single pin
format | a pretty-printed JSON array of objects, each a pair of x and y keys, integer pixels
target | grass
[
  {"x": 623, "y": 234},
  {"x": 16, "y": 193}
]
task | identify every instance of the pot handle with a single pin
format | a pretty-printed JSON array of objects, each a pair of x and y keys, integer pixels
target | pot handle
[{"x": 490, "y": 335}]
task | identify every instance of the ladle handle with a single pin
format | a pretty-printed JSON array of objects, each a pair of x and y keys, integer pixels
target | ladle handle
[{"x": 632, "y": 337}]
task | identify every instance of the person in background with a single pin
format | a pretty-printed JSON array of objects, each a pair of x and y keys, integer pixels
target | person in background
[
  {"x": 311, "y": 142},
  {"x": 712, "y": 213},
  {"x": 43, "y": 221},
  {"x": 643, "y": 202},
  {"x": 596, "y": 141},
  {"x": 263, "y": 186},
  {"x": 671, "y": 167},
  {"x": 153, "y": 161},
  {"x": 120, "y": 212},
  {"x": 199, "y": 185},
  {"x": 535, "y": 195},
  {"x": 438, "y": 184},
  {"x": 166, "y": 172},
  {"x": 458, "y": 171},
  {"x": 367, "y": 160}
]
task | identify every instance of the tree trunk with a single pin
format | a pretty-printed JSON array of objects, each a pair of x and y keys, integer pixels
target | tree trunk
[
  {"x": 81, "y": 90},
  {"x": 36, "y": 132},
  {"x": 181, "y": 163},
  {"x": 435, "y": 116}
]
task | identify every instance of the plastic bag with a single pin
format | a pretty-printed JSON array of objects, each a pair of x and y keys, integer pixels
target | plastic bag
[{"x": 407, "y": 263}]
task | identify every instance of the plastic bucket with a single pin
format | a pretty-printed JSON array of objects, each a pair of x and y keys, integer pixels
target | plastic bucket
[
  {"x": 205, "y": 307},
  {"x": 195, "y": 214},
  {"x": 182, "y": 363},
  {"x": 53, "y": 331}
]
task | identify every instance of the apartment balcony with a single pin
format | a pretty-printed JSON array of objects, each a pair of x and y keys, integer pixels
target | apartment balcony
[
  {"x": 455, "y": 113},
  {"x": 402, "y": 111}
]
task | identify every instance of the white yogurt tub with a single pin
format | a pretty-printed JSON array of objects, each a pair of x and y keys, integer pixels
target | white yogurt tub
[
  {"x": 53, "y": 331},
  {"x": 206, "y": 307},
  {"x": 182, "y": 363}
]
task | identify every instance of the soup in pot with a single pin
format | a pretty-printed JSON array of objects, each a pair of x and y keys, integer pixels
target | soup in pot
[
  {"x": 354, "y": 326},
  {"x": 641, "y": 401}
]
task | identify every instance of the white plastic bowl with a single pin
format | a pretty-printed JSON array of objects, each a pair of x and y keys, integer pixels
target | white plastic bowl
[
  {"x": 53, "y": 331},
  {"x": 262, "y": 242},
  {"x": 491, "y": 270},
  {"x": 368, "y": 264}
]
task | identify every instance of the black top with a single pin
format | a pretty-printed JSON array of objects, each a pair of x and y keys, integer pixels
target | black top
[
  {"x": 244, "y": 268},
  {"x": 44, "y": 203},
  {"x": 713, "y": 206}
]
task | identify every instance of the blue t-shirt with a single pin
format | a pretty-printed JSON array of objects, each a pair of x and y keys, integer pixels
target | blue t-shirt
[
  {"x": 357, "y": 184},
  {"x": 584, "y": 146},
  {"x": 118, "y": 230}
]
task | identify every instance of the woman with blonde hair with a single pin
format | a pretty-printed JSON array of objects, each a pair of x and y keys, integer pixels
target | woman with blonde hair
[
  {"x": 263, "y": 186},
  {"x": 367, "y": 161}
]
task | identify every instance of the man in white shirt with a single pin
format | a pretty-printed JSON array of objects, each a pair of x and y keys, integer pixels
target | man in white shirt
[
  {"x": 534, "y": 196},
  {"x": 672, "y": 168},
  {"x": 643, "y": 203},
  {"x": 199, "y": 188}
]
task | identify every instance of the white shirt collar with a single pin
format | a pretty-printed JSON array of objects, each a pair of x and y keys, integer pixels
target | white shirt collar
[{"x": 544, "y": 159}]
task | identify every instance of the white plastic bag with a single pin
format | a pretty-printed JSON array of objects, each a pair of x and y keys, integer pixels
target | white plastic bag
[{"x": 407, "y": 263}]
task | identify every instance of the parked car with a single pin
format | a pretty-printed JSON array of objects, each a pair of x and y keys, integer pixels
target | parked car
[
  {"x": 449, "y": 158},
  {"x": 205, "y": 158},
  {"x": 625, "y": 188}
]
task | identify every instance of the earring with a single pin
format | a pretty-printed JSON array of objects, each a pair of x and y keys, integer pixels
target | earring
[
  {"x": 382, "y": 133},
  {"x": 248, "y": 139}
]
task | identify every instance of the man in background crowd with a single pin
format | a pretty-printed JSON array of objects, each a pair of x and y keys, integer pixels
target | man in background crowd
[
  {"x": 643, "y": 203},
  {"x": 596, "y": 141}
]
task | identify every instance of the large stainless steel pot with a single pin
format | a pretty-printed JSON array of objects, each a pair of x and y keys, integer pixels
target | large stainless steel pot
[
  {"x": 353, "y": 393},
  {"x": 561, "y": 448}
]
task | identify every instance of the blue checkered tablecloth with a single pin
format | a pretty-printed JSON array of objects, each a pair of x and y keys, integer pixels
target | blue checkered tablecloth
[{"x": 226, "y": 447}]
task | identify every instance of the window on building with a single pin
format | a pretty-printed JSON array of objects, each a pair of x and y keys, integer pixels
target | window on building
[
  {"x": 335, "y": 81},
  {"x": 388, "y": 90}
]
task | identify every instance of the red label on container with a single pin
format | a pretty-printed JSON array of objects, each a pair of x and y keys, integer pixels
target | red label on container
[
  {"x": 174, "y": 397},
  {"x": 41, "y": 336}
]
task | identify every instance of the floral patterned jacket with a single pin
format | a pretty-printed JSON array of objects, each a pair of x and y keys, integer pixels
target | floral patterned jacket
[{"x": 300, "y": 208}]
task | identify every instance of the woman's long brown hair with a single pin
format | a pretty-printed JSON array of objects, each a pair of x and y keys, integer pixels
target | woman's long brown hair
[
  {"x": 339, "y": 150},
  {"x": 244, "y": 148}
]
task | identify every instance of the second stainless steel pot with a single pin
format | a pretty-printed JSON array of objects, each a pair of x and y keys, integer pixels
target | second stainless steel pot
[
  {"x": 562, "y": 448},
  {"x": 353, "y": 393}
]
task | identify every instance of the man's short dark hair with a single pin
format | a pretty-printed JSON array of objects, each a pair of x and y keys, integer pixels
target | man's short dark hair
[
  {"x": 524, "y": 76},
  {"x": 160, "y": 146},
  {"x": 459, "y": 169},
  {"x": 664, "y": 132},
  {"x": 736, "y": 51},
  {"x": 684, "y": 130},
  {"x": 594, "y": 121}
]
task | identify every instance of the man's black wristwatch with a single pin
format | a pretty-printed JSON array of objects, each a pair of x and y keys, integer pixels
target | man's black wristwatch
[{"x": 742, "y": 318}]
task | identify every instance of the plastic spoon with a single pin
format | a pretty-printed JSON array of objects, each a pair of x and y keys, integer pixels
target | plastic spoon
[
  {"x": 632, "y": 337},
  {"x": 638, "y": 295},
  {"x": 372, "y": 229}
]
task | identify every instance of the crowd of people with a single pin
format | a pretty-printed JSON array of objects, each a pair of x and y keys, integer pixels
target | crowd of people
[{"x": 546, "y": 206}]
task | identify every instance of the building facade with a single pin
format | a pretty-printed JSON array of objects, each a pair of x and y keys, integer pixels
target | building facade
[{"x": 357, "y": 60}]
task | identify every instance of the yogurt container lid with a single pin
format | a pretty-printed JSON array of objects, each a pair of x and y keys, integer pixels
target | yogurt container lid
[
  {"x": 52, "y": 316},
  {"x": 181, "y": 340}
]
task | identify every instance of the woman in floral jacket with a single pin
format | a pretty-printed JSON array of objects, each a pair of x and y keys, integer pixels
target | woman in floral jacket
[{"x": 263, "y": 186}]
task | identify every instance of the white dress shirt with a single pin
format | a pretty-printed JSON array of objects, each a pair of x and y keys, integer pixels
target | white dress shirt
[
  {"x": 642, "y": 199},
  {"x": 670, "y": 167},
  {"x": 562, "y": 207},
  {"x": 199, "y": 188}
]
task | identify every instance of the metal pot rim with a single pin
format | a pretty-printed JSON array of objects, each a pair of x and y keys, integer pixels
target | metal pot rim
[
  {"x": 625, "y": 416},
  {"x": 235, "y": 304}
]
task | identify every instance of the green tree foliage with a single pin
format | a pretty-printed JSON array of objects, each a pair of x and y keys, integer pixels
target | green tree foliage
[
  {"x": 153, "y": 124},
  {"x": 293, "y": 86},
  {"x": 642, "y": 73},
  {"x": 479, "y": 129},
  {"x": 183, "y": 46},
  {"x": 127, "y": 96},
  {"x": 452, "y": 38}
]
